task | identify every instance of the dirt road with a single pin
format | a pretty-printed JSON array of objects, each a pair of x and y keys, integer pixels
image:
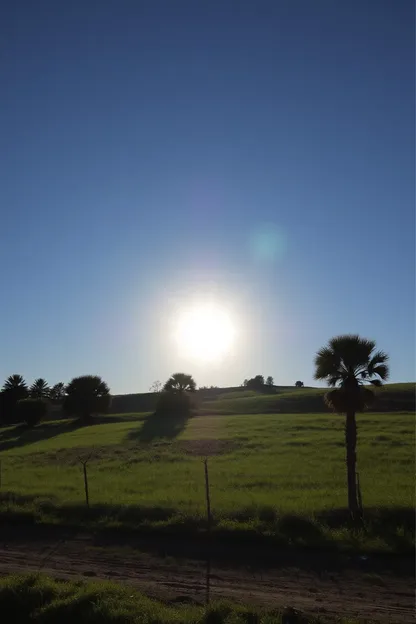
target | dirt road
[{"x": 351, "y": 588}]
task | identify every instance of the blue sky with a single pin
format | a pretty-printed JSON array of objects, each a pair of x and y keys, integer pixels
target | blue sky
[{"x": 156, "y": 151}]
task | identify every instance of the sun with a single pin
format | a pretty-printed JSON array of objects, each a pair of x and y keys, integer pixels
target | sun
[{"x": 205, "y": 332}]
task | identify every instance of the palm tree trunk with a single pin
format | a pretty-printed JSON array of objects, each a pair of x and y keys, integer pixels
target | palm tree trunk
[{"x": 351, "y": 460}]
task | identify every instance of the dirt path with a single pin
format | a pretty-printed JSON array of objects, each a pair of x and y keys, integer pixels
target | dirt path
[{"x": 346, "y": 591}]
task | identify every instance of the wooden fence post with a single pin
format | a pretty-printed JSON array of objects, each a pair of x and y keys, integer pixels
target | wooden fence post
[
  {"x": 87, "y": 498},
  {"x": 360, "y": 500},
  {"x": 207, "y": 495},
  {"x": 84, "y": 463},
  {"x": 209, "y": 521}
]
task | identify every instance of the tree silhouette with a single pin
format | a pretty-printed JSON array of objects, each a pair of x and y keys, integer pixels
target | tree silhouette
[
  {"x": 85, "y": 396},
  {"x": 256, "y": 383},
  {"x": 346, "y": 363},
  {"x": 156, "y": 386},
  {"x": 32, "y": 411},
  {"x": 299, "y": 384},
  {"x": 179, "y": 383},
  {"x": 15, "y": 383},
  {"x": 39, "y": 389},
  {"x": 269, "y": 381},
  {"x": 14, "y": 389},
  {"x": 57, "y": 392}
]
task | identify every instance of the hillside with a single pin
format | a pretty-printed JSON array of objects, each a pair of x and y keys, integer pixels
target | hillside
[{"x": 285, "y": 399}]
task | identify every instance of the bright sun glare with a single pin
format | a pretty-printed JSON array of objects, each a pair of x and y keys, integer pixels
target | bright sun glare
[{"x": 205, "y": 332}]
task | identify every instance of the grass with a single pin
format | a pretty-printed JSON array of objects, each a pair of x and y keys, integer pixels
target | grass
[
  {"x": 391, "y": 397},
  {"x": 278, "y": 476},
  {"x": 42, "y": 600}
]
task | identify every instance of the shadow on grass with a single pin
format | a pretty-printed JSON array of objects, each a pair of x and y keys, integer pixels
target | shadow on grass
[
  {"x": 159, "y": 425},
  {"x": 168, "y": 421},
  {"x": 393, "y": 525},
  {"x": 163, "y": 531},
  {"x": 21, "y": 435}
]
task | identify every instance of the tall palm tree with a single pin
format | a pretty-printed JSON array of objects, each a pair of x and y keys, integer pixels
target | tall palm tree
[
  {"x": 346, "y": 363},
  {"x": 180, "y": 383},
  {"x": 39, "y": 389}
]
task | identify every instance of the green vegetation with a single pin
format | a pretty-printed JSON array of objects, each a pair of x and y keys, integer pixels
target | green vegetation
[
  {"x": 276, "y": 472},
  {"x": 31, "y": 411},
  {"x": 85, "y": 396},
  {"x": 389, "y": 398},
  {"x": 264, "y": 469},
  {"x": 180, "y": 383},
  {"x": 42, "y": 600},
  {"x": 39, "y": 389}
]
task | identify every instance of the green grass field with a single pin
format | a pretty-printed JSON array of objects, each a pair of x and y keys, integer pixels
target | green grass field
[
  {"x": 398, "y": 397},
  {"x": 42, "y": 600},
  {"x": 263, "y": 469}
]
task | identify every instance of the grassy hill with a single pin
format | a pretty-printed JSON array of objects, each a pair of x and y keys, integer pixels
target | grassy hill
[
  {"x": 284, "y": 399},
  {"x": 271, "y": 476}
]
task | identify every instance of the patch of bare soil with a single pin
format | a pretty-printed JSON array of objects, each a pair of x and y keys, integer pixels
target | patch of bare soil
[
  {"x": 206, "y": 448},
  {"x": 341, "y": 591}
]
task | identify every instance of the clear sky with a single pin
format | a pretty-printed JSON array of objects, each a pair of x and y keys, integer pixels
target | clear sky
[{"x": 157, "y": 151}]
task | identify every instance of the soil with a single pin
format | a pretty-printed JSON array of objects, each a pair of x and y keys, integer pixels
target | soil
[{"x": 374, "y": 588}]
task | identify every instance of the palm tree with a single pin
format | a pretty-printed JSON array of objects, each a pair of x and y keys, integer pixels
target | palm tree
[
  {"x": 346, "y": 363},
  {"x": 39, "y": 389},
  {"x": 179, "y": 383},
  {"x": 85, "y": 396},
  {"x": 14, "y": 390},
  {"x": 57, "y": 392},
  {"x": 15, "y": 382}
]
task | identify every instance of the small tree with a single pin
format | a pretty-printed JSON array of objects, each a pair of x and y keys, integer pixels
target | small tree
[
  {"x": 156, "y": 387},
  {"x": 345, "y": 364},
  {"x": 57, "y": 392},
  {"x": 270, "y": 381},
  {"x": 256, "y": 383},
  {"x": 85, "y": 396},
  {"x": 179, "y": 383},
  {"x": 39, "y": 389},
  {"x": 175, "y": 401},
  {"x": 32, "y": 411},
  {"x": 299, "y": 384}
]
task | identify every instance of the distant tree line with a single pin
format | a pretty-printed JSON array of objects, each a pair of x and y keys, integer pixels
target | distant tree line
[
  {"x": 80, "y": 398},
  {"x": 258, "y": 383}
]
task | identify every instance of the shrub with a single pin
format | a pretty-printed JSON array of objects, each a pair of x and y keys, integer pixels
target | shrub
[
  {"x": 32, "y": 411},
  {"x": 174, "y": 404},
  {"x": 85, "y": 396}
]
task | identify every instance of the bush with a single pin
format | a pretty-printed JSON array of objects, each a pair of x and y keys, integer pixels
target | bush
[
  {"x": 174, "y": 404},
  {"x": 32, "y": 411},
  {"x": 85, "y": 396}
]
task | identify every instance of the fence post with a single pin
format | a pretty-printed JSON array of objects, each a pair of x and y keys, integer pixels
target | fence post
[
  {"x": 209, "y": 520},
  {"x": 87, "y": 499},
  {"x": 207, "y": 495},
  {"x": 360, "y": 500},
  {"x": 84, "y": 463}
]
